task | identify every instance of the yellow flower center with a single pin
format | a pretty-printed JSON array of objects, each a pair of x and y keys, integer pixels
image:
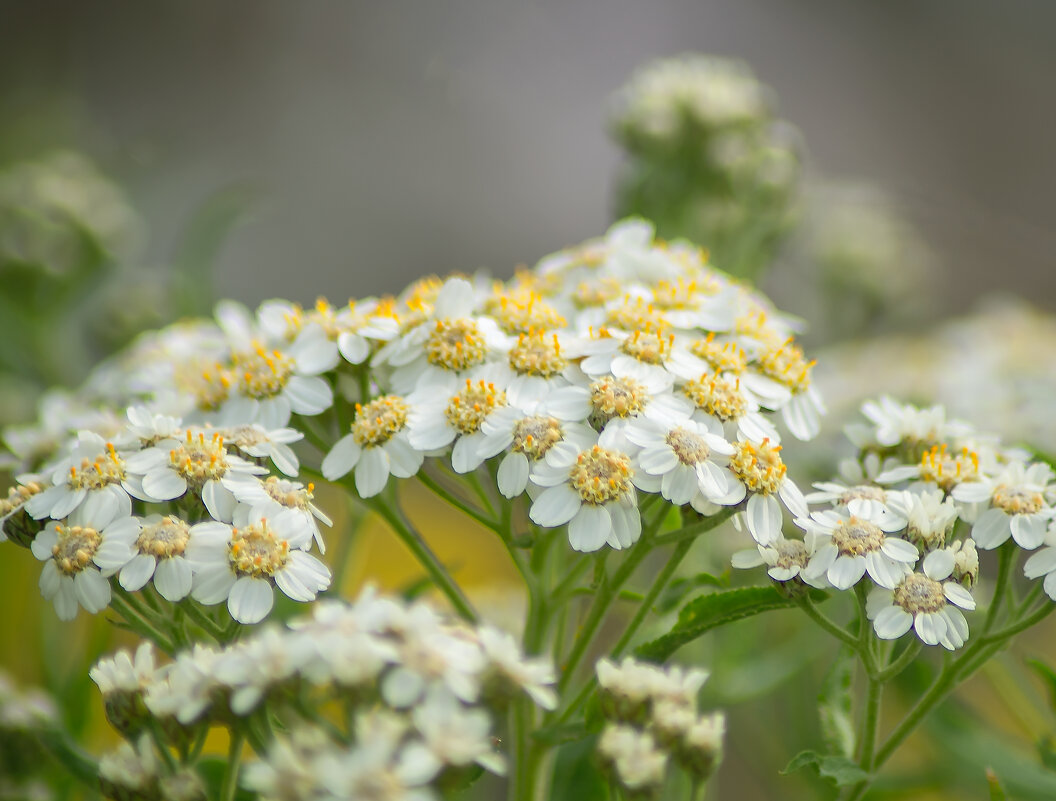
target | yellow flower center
[
  {"x": 718, "y": 396},
  {"x": 257, "y": 551},
  {"x": 286, "y": 493},
  {"x": 455, "y": 345},
  {"x": 537, "y": 354},
  {"x": 106, "y": 468},
  {"x": 262, "y": 373},
  {"x": 786, "y": 365},
  {"x": 467, "y": 410},
  {"x": 945, "y": 469},
  {"x": 854, "y": 537},
  {"x": 1015, "y": 501},
  {"x": 918, "y": 593},
  {"x": 600, "y": 475},
  {"x": 590, "y": 294},
  {"x": 683, "y": 294},
  {"x": 758, "y": 467},
  {"x": 380, "y": 420},
  {"x": 534, "y": 436},
  {"x": 863, "y": 492},
  {"x": 210, "y": 386},
  {"x": 647, "y": 346},
  {"x": 165, "y": 539},
  {"x": 199, "y": 459},
  {"x": 75, "y": 549},
  {"x": 688, "y": 446},
  {"x": 790, "y": 553},
  {"x": 522, "y": 311},
  {"x": 724, "y": 357},
  {"x": 17, "y": 496},
  {"x": 636, "y": 313},
  {"x": 617, "y": 397}
]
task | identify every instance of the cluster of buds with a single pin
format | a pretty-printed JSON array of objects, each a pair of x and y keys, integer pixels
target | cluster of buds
[{"x": 652, "y": 718}]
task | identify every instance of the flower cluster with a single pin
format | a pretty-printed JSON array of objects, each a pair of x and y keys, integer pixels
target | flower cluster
[
  {"x": 416, "y": 689},
  {"x": 192, "y": 509},
  {"x": 924, "y": 494},
  {"x": 620, "y": 366},
  {"x": 651, "y": 715}
]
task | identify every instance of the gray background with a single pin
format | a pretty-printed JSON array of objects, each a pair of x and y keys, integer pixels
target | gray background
[{"x": 388, "y": 140}]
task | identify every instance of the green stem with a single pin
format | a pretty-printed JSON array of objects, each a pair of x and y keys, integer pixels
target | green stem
[
  {"x": 646, "y": 606},
  {"x": 69, "y": 755},
  {"x": 698, "y": 528},
  {"x": 426, "y": 558},
  {"x": 1006, "y": 558},
  {"x": 819, "y": 617},
  {"x": 456, "y": 502},
  {"x": 909, "y": 653},
  {"x": 143, "y": 626},
  {"x": 190, "y": 606},
  {"x": 234, "y": 757}
]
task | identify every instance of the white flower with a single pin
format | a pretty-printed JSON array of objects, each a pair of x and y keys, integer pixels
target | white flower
[
  {"x": 634, "y": 755},
  {"x": 258, "y": 442},
  {"x": 453, "y": 734},
  {"x": 154, "y": 548},
  {"x": 183, "y": 689},
  {"x": 434, "y": 426},
  {"x": 272, "y": 495},
  {"x": 95, "y": 472},
  {"x": 536, "y": 365},
  {"x": 785, "y": 560},
  {"x": 377, "y": 447},
  {"x": 848, "y": 546},
  {"x": 529, "y": 437},
  {"x": 240, "y": 566},
  {"x": 759, "y": 469},
  {"x": 69, "y": 550},
  {"x": 1043, "y": 563},
  {"x": 251, "y": 667},
  {"x": 684, "y": 458},
  {"x": 590, "y": 489},
  {"x": 124, "y": 673},
  {"x": 132, "y": 768},
  {"x": 930, "y": 515},
  {"x": 922, "y": 601},
  {"x": 727, "y": 407},
  {"x": 534, "y": 676},
  {"x": 1017, "y": 508},
  {"x": 895, "y": 423},
  {"x": 198, "y": 462}
]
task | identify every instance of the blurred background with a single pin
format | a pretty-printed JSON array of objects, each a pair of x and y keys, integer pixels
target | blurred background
[{"x": 258, "y": 149}]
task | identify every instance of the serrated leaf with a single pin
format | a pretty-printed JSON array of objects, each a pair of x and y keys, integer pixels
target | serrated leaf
[
  {"x": 840, "y": 770},
  {"x": 834, "y": 704},
  {"x": 707, "y": 612}
]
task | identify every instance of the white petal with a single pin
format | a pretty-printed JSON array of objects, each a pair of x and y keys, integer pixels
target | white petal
[
  {"x": 991, "y": 529},
  {"x": 1044, "y": 561},
  {"x": 930, "y": 627},
  {"x": 342, "y": 458},
  {"x": 680, "y": 485},
  {"x": 1028, "y": 531},
  {"x": 404, "y": 461},
  {"x": 590, "y": 528},
  {"x": 763, "y": 515},
  {"x": 218, "y": 500},
  {"x": 512, "y": 477},
  {"x": 307, "y": 395},
  {"x": 137, "y": 572},
  {"x": 555, "y": 506},
  {"x": 251, "y": 599},
  {"x": 93, "y": 591},
  {"x": 846, "y": 571},
  {"x": 372, "y": 472},
  {"x": 173, "y": 579},
  {"x": 938, "y": 565},
  {"x": 892, "y": 622},
  {"x": 957, "y": 594},
  {"x": 900, "y": 550},
  {"x": 164, "y": 484}
]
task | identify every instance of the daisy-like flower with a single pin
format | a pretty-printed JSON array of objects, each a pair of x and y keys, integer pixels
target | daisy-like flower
[
  {"x": 434, "y": 426},
  {"x": 1017, "y": 508},
  {"x": 634, "y": 756},
  {"x": 72, "y": 554},
  {"x": 785, "y": 560},
  {"x": 444, "y": 350},
  {"x": 124, "y": 673},
  {"x": 94, "y": 470},
  {"x": 849, "y": 546},
  {"x": 727, "y": 408},
  {"x": 956, "y": 472},
  {"x": 759, "y": 469},
  {"x": 927, "y": 602},
  {"x": 272, "y": 495},
  {"x": 272, "y": 383},
  {"x": 930, "y": 515},
  {"x": 649, "y": 356},
  {"x": 242, "y": 565},
  {"x": 528, "y": 437},
  {"x": 507, "y": 660},
  {"x": 199, "y": 462},
  {"x": 455, "y": 735},
  {"x": 590, "y": 489},
  {"x": 258, "y": 442},
  {"x": 783, "y": 382},
  {"x": 155, "y": 548},
  {"x": 684, "y": 459},
  {"x": 28, "y": 486},
  {"x": 536, "y": 365},
  {"x": 894, "y": 423},
  {"x": 377, "y": 447}
]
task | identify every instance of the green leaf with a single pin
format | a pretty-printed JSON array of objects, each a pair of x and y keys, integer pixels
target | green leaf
[
  {"x": 563, "y": 733},
  {"x": 707, "y": 612},
  {"x": 997, "y": 792},
  {"x": 834, "y": 704},
  {"x": 839, "y": 770}
]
